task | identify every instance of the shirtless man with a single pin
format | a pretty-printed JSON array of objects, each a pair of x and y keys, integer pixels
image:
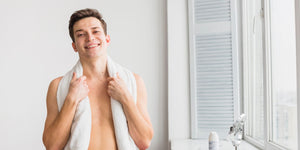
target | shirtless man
[{"x": 88, "y": 32}]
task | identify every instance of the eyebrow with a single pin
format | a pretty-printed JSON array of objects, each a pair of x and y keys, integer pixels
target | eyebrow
[
  {"x": 95, "y": 27},
  {"x": 78, "y": 30},
  {"x": 82, "y": 30}
]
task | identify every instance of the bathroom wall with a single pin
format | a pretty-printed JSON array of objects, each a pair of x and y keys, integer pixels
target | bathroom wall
[{"x": 36, "y": 48}]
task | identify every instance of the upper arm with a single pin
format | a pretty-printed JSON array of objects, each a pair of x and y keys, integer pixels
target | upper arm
[
  {"x": 51, "y": 101},
  {"x": 142, "y": 98}
]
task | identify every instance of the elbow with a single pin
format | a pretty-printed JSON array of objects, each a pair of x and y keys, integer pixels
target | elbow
[
  {"x": 45, "y": 141},
  {"x": 50, "y": 146},
  {"x": 146, "y": 142},
  {"x": 144, "y": 145},
  {"x": 47, "y": 145}
]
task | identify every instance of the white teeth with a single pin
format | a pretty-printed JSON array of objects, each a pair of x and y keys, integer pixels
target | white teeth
[{"x": 92, "y": 46}]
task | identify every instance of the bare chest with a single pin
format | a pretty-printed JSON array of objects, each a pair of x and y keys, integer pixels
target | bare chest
[
  {"x": 99, "y": 101},
  {"x": 102, "y": 134}
]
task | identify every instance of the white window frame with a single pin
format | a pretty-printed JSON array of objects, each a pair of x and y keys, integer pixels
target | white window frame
[
  {"x": 297, "y": 17},
  {"x": 246, "y": 80},
  {"x": 268, "y": 145}
]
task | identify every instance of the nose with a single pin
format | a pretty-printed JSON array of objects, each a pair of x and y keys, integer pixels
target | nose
[{"x": 90, "y": 37}]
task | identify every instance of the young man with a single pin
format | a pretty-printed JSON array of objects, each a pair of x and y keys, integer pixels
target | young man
[{"x": 88, "y": 32}]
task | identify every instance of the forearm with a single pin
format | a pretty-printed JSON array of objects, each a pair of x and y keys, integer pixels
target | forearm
[
  {"x": 139, "y": 129},
  {"x": 57, "y": 134}
]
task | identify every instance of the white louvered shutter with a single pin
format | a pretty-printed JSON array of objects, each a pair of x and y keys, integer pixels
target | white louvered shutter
[{"x": 213, "y": 66}]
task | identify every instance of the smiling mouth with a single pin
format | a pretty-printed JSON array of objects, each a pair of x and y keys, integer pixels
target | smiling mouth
[{"x": 92, "y": 46}]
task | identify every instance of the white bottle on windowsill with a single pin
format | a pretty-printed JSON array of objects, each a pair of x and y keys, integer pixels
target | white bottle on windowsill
[{"x": 213, "y": 141}]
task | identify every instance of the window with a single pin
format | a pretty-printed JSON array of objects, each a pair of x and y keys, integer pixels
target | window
[
  {"x": 270, "y": 91},
  {"x": 269, "y": 70}
]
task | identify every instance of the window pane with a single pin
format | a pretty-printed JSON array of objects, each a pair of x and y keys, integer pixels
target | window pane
[
  {"x": 258, "y": 93},
  {"x": 255, "y": 71},
  {"x": 284, "y": 105}
]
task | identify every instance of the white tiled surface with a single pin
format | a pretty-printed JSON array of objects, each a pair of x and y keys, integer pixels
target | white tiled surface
[{"x": 203, "y": 145}]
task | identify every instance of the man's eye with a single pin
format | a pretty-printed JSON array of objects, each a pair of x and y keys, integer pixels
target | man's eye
[
  {"x": 96, "y": 31},
  {"x": 79, "y": 35}
]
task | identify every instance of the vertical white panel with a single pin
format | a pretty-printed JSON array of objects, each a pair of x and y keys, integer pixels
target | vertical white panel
[
  {"x": 297, "y": 17},
  {"x": 213, "y": 66}
]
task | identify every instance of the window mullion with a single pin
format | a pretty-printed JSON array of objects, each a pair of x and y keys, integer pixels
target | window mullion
[
  {"x": 267, "y": 74},
  {"x": 297, "y": 16}
]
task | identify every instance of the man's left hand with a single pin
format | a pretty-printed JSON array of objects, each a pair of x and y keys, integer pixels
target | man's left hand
[{"x": 117, "y": 89}]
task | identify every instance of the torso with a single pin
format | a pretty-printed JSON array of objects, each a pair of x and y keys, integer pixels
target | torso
[{"x": 102, "y": 134}]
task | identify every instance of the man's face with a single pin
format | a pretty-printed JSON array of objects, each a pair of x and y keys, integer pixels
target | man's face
[{"x": 90, "y": 39}]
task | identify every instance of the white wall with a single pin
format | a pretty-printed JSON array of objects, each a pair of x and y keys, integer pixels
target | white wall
[
  {"x": 178, "y": 71},
  {"x": 35, "y": 48}
]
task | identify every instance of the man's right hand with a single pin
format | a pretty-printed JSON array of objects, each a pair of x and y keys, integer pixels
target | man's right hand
[
  {"x": 78, "y": 89},
  {"x": 58, "y": 123}
]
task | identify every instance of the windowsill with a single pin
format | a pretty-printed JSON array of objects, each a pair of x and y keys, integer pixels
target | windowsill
[{"x": 203, "y": 145}]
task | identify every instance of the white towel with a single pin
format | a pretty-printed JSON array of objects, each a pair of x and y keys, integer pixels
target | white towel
[{"x": 82, "y": 122}]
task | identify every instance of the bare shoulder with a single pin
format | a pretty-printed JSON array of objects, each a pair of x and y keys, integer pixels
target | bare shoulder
[
  {"x": 55, "y": 81},
  {"x": 52, "y": 90},
  {"x": 54, "y": 85}
]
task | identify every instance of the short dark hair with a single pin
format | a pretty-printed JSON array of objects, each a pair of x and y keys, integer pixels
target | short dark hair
[{"x": 84, "y": 13}]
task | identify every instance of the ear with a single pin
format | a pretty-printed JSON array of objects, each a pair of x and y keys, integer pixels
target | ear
[
  {"x": 107, "y": 38},
  {"x": 74, "y": 47}
]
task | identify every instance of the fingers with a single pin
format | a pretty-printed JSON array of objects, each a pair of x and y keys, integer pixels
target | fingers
[
  {"x": 110, "y": 79},
  {"x": 115, "y": 76},
  {"x": 82, "y": 78},
  {"x": 110, "y": 86},
  {"x": 84, "y": 83},
  {"x": 110, "y": 90},
  {"x": 114, "y": 81},
  {"x": 74, "y": 76}
]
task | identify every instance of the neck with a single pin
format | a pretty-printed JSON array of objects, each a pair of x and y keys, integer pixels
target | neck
[{"x": 95, "y": 68}]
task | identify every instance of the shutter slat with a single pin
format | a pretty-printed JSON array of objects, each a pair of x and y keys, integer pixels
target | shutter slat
[
  {"x": 213, "y": 68},
  {"x": 209, "y": 61},
  {"x": 212, "y": 11}
]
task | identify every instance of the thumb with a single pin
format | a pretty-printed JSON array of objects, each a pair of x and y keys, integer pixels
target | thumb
[
  {"x": 118, "y": 75},
  {"x": 74, "y": 76}
]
